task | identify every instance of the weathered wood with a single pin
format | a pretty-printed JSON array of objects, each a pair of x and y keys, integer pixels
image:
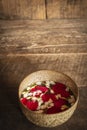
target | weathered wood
[
  {"x": 15, "y": 9},
  {"x": 42, "y": 9},
  {"x": 11, "y": 115},
  {"x": 38, "y": 9},
  {"x": 44, "y": 24},
  {"x": 66, "y": 9},
  {"x": 13, "y": 68},
  {"x": 22, "y": 9},
  {"x": 57, "y": 36},
  {"x": 44, "y": 49},
  {"x": 57, "y": 45}
]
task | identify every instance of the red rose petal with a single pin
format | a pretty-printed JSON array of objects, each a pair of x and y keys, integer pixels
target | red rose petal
[
  {"x": 24, "y": 101},
  {"x": 53, "y": 110},
  {"x": 52, "y": 96},
  {"x": 33, "y": 89},
  {"x": 57, "y": 87},
  {"x": 42, "y": 88},
  {"x": 32, "y": 105},
  {"x": 64, "y": 94},
  {"x": 61, "y": 85},
  {"x": 60, "y": 88},
  {"x": 45, "y": 97},
  {"x": 59, "y": 103},
  {"x": 39, "y": 87},
  {"x": 48, "y": 96}
]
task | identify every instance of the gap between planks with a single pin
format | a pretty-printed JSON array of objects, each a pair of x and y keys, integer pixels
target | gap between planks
[{"x": 38, "y": 54}]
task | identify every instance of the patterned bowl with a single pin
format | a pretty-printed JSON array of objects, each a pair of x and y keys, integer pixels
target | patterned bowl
[{"x": 48, "y": 120}]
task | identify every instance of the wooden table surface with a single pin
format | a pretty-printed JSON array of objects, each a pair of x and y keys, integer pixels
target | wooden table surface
[
  {"x": 60, "y": 45},
  {"x": 31, "y": 45}
]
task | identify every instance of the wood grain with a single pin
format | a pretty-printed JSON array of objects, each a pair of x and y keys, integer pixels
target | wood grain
[
  {"x": 66, "y": 9},
  {"x": 44, "y": 24},
  {"x": 59, "y": 45},
  {"x": 13, "y": 68},
  {"x": 22, "y": 9},
  {"x": 57, "y": 36},
  {"x": 43, "y": 9},
  {"x": 38, "y": 9}
]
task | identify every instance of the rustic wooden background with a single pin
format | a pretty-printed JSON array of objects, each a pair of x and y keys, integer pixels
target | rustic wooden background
[
  {"x": 42, "y": 9},
  {"x": 27, "y": 46},
  {"x": 41, "y": 34}
]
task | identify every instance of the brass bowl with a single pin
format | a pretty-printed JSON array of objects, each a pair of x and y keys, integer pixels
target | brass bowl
[{"x": 48, "y": 120}]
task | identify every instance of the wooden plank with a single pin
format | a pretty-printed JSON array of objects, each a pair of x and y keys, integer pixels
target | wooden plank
[
  {"x": 44, "y": 24},
  {"x": 57, "y": 36},
  {"x": 23, "y": 9},
  {"x": 1, "y": 8},
  {"x": 66, "y": 9},
  {"x": 15, "y": 9},
  {"x": 60, "y": 43},
  {"x": 10, "y": 113},
  {"x": 16, "y": 48},
  {"x": 42, "y": 9},
  {"x": 38, "y": 9},
  {"x": 13, "y": 68}
]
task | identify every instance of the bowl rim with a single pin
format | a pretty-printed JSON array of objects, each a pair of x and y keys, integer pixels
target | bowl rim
[{"x": 34, "y": 112}]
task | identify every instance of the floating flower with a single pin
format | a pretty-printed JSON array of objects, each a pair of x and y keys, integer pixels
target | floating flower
[
  {"x": 39, "y": 87},
  {"x": 53, "y": 110},
  {"x": 60, "y": 88},
  {"x": 32, "y": 105},
  {"x": 60, "y": 102},
  {"x": 24, "y": 101},
  {"x": 48, "y": 96}
]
